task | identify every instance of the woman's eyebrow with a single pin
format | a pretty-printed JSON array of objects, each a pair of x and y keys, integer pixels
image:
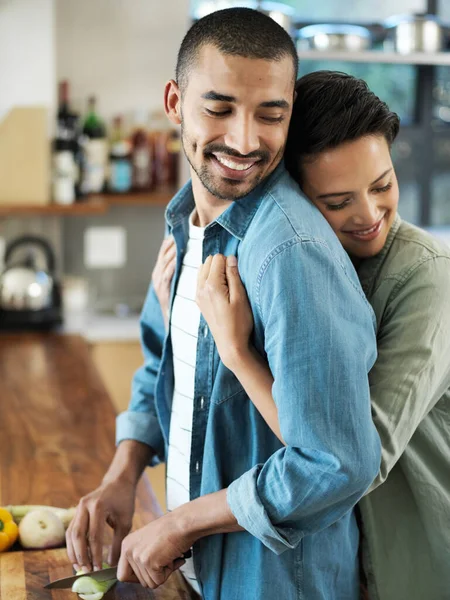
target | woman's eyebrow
[{"x": 335, "y": 194}]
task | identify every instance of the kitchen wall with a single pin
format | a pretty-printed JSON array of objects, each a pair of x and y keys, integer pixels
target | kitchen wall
[
  {"x": 27, "y": 77},
  {"x": 27, "y": 57},
  {"x": 123, "y": 51}
]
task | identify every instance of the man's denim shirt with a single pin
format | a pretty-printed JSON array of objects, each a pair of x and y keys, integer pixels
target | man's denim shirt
[{"x": 317, "y": 332}]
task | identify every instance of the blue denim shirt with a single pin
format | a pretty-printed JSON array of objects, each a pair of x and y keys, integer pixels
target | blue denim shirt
[{"x": 316, "y": 329}]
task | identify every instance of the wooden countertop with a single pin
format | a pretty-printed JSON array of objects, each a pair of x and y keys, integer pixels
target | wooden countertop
[{"x": 57, "y": 427}]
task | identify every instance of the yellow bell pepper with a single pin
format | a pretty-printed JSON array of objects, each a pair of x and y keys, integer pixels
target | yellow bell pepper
[{"x": 8, "y": 530}]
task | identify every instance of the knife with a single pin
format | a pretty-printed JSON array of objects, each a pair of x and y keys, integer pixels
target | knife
[
  {"x": 67, "y": 582},
  {"x": 101, "y": 575}
]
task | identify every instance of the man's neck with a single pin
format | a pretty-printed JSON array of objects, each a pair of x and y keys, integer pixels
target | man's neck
[{"x": 207, "y": 206}]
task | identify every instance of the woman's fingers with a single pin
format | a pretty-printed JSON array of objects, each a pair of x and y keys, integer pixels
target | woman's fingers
[
  {"x": 170, "y": 269},
  {"x": 235, "y": 284},
  {"x": 203, "y": 273},
  {"x": 217, "y": 279}
]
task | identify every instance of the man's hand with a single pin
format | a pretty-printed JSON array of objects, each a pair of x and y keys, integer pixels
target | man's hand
[
  {"x": 154, "y": 552},
  {"x": 113, "y": 504}
]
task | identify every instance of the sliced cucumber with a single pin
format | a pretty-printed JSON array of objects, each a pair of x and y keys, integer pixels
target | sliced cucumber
[{"x": 90, "y": 589}]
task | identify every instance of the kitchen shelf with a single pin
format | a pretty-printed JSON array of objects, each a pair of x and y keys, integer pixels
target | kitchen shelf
[
  {"x": 378, "y": 56},
  {"x": 158, "y": 197},
  {"x": 93, "y": 205}
]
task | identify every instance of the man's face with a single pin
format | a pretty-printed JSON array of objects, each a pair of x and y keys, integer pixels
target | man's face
[{"x": 235, "y": 116}]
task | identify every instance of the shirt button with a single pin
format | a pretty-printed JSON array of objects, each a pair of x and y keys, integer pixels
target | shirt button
[
  {"x": 205, "y": 331},
  {"x": 202, "y": 402},
  {"x": 197, "y": 467}
]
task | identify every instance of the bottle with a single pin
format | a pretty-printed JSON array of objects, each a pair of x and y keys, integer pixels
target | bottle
[
  {"x": 96, "y": 150},
  {"x": 166, "y": 150},
  {"x": 174, "y": 151},
  {"x": 141, "y": 155},
  {"x": 65, "y": 178},
  {"x": 120, "y": 170}
]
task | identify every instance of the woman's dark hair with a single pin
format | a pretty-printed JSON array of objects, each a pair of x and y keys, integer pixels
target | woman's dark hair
[
  {"x": 239, "y": 32},
  {"x": 332, "y": 108}
]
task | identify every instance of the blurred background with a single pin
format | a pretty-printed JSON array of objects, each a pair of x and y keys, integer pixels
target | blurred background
[{"x": 88, "y": 160}]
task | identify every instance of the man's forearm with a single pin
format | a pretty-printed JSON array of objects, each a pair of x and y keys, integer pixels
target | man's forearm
[
  {"x": 129, "y": 461},
  {"x": 207, "y": 515}
]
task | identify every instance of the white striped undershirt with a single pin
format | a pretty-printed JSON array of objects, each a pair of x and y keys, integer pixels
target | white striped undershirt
[{"x": 184, "y": 324}]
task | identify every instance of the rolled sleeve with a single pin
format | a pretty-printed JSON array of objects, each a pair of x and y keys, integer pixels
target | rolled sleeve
[
  {"x": 250, "y": 513},
  {"x": 141, "y": 427}
]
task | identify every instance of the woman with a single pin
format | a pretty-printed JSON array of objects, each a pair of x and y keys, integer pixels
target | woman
[{"x": 339, "y": 152}]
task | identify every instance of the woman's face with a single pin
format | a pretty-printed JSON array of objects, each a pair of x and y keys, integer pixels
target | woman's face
[{"x": 354, "y": 186}]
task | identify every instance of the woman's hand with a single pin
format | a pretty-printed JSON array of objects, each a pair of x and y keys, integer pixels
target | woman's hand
[
  {"x": 163, "y": 273},
  {"x": 223, "y": 302}
]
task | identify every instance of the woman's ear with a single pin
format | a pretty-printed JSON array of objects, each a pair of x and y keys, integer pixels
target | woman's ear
[{"x": 172, "y": 102}]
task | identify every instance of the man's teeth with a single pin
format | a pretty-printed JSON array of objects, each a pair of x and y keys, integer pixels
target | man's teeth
[{"x": 232, "y": 165}]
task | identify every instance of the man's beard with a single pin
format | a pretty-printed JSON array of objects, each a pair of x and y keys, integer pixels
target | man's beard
[{"x": 207, "y": 179}]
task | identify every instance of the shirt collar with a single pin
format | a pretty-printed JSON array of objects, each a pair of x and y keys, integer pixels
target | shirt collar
[
  {"x": 237, "y": 217},
  {"x": 370, "y": 267}
]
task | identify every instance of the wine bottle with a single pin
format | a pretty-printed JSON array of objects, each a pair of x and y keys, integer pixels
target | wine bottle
[
  {"x": 96, "y": 150},
  {"x": 120, "y": 171},
  {"x": 64, "y": 149},
  {"x": 141, "y": 154}
]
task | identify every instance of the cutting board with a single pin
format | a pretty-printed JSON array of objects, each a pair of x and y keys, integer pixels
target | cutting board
[
  {"x": 23, "y": 575},
  {"x": 25, "y": 156}
]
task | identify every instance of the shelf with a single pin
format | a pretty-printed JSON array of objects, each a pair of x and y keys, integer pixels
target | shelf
[
  {"x": 378, "y": 56},
  {"x": 93, "y": 205},
  {"x": 90, "y": 207},
  {"x": 158, "y": 197}
]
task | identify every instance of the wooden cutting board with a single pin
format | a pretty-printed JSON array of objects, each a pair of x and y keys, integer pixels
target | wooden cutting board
[{"x": 23, "y": 575}]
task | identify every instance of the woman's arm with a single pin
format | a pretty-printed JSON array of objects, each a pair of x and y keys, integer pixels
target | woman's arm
[
  {"x": 224, "y": 304},
  {"x": 412, "y": 371}
]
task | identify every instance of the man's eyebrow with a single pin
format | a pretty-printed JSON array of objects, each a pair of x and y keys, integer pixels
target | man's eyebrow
[
  {"x": 336, "y": 194},
  {"x": 275, "y": 104},
  {"x": 212, "y": 95}
]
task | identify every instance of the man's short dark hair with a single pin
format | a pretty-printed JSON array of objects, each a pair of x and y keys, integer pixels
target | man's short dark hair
[
  {"x": 332, "y": 108},
  {"x": 235, "y": 31}
]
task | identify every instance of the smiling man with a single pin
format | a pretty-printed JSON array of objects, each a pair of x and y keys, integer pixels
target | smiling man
[{"x": 263, "y": 520}]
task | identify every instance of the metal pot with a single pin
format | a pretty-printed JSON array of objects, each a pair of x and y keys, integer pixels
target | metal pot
[
  {"x": 280, "y": 12},
  {"x": 334, "y": 37},
  {"x": 27, "y": 283},
  {"x": 416, "y": 33}
]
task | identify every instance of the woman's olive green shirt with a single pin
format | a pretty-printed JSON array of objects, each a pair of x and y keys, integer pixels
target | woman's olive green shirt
[{"x": 406, "y": 520}]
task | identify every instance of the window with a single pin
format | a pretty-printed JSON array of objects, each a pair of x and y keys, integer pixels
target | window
[{"x": 419, "y": 94}]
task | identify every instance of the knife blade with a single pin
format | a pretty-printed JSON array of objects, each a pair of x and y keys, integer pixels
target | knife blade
[
  {"x": 101, "y": 575},
  {"x": 67, "y": 582}
]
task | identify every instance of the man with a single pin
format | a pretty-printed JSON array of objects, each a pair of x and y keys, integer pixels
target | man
[{"x": 263, "y": 520}]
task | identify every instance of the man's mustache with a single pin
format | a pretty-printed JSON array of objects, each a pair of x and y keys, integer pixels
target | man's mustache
[{"x": 222, "y": 149}]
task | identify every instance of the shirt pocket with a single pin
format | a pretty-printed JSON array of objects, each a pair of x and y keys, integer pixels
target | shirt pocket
[{"x": 226, "y": 385}]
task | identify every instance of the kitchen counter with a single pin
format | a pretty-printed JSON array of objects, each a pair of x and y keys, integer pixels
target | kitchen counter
[
  {"x": 98, "y": 327},
  {"x": 57, "y": 439}
]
